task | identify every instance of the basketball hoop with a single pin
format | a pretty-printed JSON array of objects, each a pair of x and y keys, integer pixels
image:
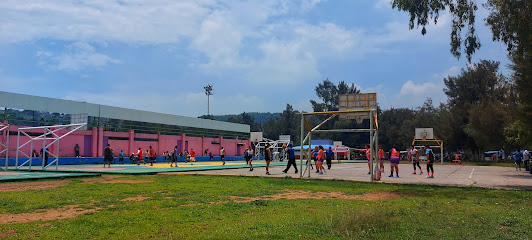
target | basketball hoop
[{"x": 424, "y": 137}]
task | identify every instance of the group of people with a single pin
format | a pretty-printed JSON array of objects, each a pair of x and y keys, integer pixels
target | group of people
[
  {"x": 413, "y": 156},
  {"x": 525, "y": 157}
]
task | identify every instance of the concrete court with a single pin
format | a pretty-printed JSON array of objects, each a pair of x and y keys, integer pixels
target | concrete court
[{"x": 445, "y": 175}]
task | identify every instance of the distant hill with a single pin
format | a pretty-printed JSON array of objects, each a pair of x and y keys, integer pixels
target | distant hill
[{"x": 258, "y": 116}]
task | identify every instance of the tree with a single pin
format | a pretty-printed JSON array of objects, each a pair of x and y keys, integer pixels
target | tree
[
  {"x": 328, "y": 93},
  {"x": 462, "y": 13},
  {"x": 479, "y": 106},
  {"x": 510, "y": 22}
]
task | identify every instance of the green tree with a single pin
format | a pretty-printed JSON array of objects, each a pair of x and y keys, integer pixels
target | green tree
[
  {"x": 329, "y": 94},
  {"x": 510, "y": 22},
  {"x": 479, "y": 106}
]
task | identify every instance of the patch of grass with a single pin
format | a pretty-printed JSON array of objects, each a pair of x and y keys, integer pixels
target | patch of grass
[{"x": 200, "y": 207}]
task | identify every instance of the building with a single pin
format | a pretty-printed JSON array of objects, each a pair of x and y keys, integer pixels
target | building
[{"x": 125, "y": 129}]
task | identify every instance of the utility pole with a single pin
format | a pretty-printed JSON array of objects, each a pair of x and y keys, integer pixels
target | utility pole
[{"x": 208, "y": 92}]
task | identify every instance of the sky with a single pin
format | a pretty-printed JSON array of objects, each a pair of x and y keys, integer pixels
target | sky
[{"x": 259, "y": 55}]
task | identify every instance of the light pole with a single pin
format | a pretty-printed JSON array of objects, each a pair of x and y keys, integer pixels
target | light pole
[{"x": 208, "y": 92}]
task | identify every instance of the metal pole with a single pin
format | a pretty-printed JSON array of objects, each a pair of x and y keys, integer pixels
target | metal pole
[
  {"x": 44, "y": 150},
  {"x": 16, "y": 153},
  {"x": 372, "y": 152},
  {"x": 208, "y": 103},
  {"x": 441, "y": 156},
  {"x": 31, "y": 153},
  {"x": 57, "y": 155},
  {"x": 301, "y": 149},
  {"x": 7, "y": 147},
  {"x": 309, "y": 162}
]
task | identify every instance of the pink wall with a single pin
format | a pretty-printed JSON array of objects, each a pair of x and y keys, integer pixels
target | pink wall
[{"x": 128, "y": 144}]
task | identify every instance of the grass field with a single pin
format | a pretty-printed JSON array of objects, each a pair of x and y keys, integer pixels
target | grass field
[{"x": 201, "y": 207}]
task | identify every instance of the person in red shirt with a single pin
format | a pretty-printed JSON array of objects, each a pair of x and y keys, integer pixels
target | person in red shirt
[
  {"x": 152, "y": 156},
  {"x": 394, "y": 161},
  {"x": 368, "y": 156},
  {"x": 140, "y": 157},
  {"x": 192, "y": 155},
  {"x": 381, "y": 158}
]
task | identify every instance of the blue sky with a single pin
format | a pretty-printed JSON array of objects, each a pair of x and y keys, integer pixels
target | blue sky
[{"x": 259, "y": 55}]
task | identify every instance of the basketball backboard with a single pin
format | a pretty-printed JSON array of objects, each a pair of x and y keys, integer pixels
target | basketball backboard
[
  {"x": 256, "y": 136},
  {"x": 424, "y": 133},
  {"x": 361, "y": 101}
]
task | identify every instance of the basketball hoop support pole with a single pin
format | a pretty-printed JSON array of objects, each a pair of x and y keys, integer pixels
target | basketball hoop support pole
[{"x": 373, "y": 137}]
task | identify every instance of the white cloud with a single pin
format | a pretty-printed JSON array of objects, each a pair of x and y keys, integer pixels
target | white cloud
[
  {"x": 412, "y": 89},
  {"x": 79, "y": 55},
  {"x": 383, "y": 4},
  {"x": 191, "y": 104}
]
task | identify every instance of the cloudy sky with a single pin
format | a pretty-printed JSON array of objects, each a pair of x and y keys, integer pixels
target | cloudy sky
[{"x": 259, "y": 55}]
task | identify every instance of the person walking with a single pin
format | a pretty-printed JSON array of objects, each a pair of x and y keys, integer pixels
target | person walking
[
  {"x": 430, "y": 162},
  {"x": 147, "y": 155},
  {"x": 413, "y": 156},
  {"x": 315, "y": 153},
  {"x": 267, "y": 158},
  {"x": 222, "y": 155},
  {"x": 107, "y": 155},
  {"x": 394, "y": 161},
  {"x": 517, "y": 158},
  {"x": 76, "y": 150},
  {"x": 329, "y": 155},
  {"x": 152, "y": 156},
  {"x": 291, "y": 158},
  {"x": 192, "y": 155},
  {"x": 140, "y": 157}
]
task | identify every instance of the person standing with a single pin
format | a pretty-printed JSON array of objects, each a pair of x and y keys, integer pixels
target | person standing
[
  {"x": 107, "y": 155},
  {"x": 413, "y": 156},
  {"x": 329, "y": 155},
  {"x": 394, "y": 161},
  {"x": 430, "y": 162},
  {"x": 76, "y": 150},
  {"x": 174, "y": 157},
  {"x": 381, "y": 158},
  {"x": 121, "y": 157},
  {"x": 152, "y": 156},
  {"x": 251, "y": 154},
  {"x": 147, "y": 155},
  {"x": 44, "y": 153},
  {"x": 291, "y": 158},
  {"x": 368, "y": 156},
  {"x": 315, "y": 153},
  {"x": 222, "y": 155},
  {"x": 246, "y": 156},
  {"x": 210, "y": 155},
  {"x": 526, "y": 159},
  {"x": 517, "y": 158},
  {"x": 140, "y": 157},
  {"x": 267, "y": 158},
  {"x": 321, "y": 158}
]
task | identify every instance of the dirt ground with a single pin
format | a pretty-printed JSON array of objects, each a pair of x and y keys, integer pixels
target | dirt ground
[{"x": 24, "y": 186}]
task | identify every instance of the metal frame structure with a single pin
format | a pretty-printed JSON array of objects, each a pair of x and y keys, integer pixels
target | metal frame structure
[
  {"x": 5, "y": 145},
  {"x": 275, "y": 145},
  {"x": 55, "y": 137},
  {"x": 373, "y": 136},
  {"x": 435, "y": 140}
]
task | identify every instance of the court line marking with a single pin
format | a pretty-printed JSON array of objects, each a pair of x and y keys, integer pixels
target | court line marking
[{"x": 471, "y": 175}]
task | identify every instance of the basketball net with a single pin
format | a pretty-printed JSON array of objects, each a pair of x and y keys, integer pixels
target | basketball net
[{"x": 424, "y": 137}]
